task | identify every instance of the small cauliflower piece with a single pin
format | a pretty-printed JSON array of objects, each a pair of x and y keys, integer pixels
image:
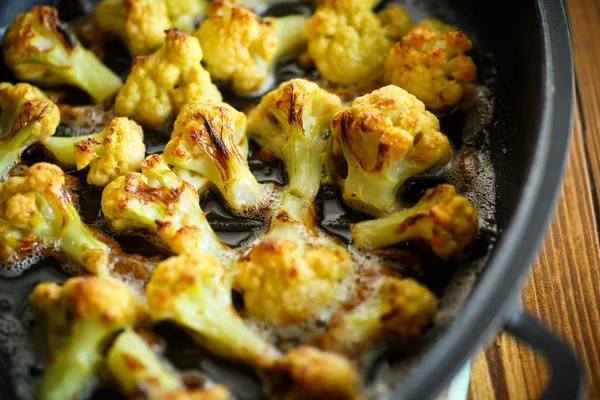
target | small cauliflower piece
[
  {"x": 140, "y": 24},
  {"x": 396, "y": 22},
  {"x": 241, "y": 48},
  {"x": 141, "y": 372},
  {"x": 286, "y": 282},
  {"x": 209, "y": 147},
  {"x": 430, "y": 62},
  {"x": 26, "y": 116},
  {"x": 347, "y": 42},
  {"x": 38, "y": 48},
  {"x": 160, "y": 85},
  {"x": 183, "y": 13},
  {"x": 292, "y": 121},
  {"x": 444, "y": 220},
  {"x": 79, "y": 317},
  {"x": 194, "y": 291},
  {"x": 385, "y": 137},
  {"x": 116, "y": 151},
  {"x": 317, "y": 375},
  {"x": 401, "y": 310},
  {"x": 157, "y": 200},
  {"x": 37, "y": 212}
]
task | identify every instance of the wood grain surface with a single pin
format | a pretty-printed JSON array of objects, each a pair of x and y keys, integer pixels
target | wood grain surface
[{"x": 563, "y": 289}]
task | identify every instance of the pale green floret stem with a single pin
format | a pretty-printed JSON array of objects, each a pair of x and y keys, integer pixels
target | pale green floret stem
[
  {"x": 11, "y": 150},
  {"x": 302, "y": 156},
  {"x": 289, "y": 30},
  {"x": 63, "y": 148},
  {"x": 295, "y": 217},
  {"x": 383, "y": 232},
  {"x": 70, "y": 369},
  {"x": 91, "y": 75},
  {"x": 150, "y": 369}
]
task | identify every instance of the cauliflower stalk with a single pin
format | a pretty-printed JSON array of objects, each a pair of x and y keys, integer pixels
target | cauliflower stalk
[
  {"x": 444, "y": 220},
  {"x": 38, "y": 48},
  {"x": 209, "y": 147},
  {"x": 194, "y": 291},
  {"x": 79, "y": 318},
  {"x": 37, "y": 209},
  {"x": 140, "y": 24},
  {"x": 241, "y": 48},
  {"x": 348, "y": 42},
  {"x": 140, "y": 371},
  {"x": 160, "y": 85},
  {"x": 430, "y": 62},
  {"x": 385, "y": 137},
  {"x": 401, "y": 310},
  {"x": 292, "y": 121},
  {"x": 157, "y": 200},
  {"x": 118, "y": 150},
  {"x": 26, "y": 116}
]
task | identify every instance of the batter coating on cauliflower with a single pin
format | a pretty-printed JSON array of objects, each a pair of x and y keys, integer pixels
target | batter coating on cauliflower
[
  {"x": 432, "y": 65},
  {"x": 209, "y": 147},
  {"x": 385, "y": 138},
  {"x": 116, "y": 151},
  {"x": 159, "y": 201},
  {"x": 37, "y": 214},
  {"x": 240, "y": 47},
  {"x": 444, "y": 220},
  {"x": 347, "y": 41},
  {"x": 161, "y": 84},
  {"x": 26, "y": 116},
  {"x": 401, "y": 310},
  {"x": 287, "y": 282},
  {"x": 140, "y": 24}
]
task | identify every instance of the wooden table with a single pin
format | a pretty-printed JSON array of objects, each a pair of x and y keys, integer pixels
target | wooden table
[{"x": 563, "y": 289}]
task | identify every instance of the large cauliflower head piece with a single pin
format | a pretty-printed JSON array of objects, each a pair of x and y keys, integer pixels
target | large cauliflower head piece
[
  {"x": 287, "y": 282},
  {"x": 140, "y": 24},
  {"x": 385, "y": 138},
  {"x": 160, "y": 85},
  {"x": 26, "y": 116},
  {"x": 347, "y": 41},
  {"x": 431, "y": 63}
]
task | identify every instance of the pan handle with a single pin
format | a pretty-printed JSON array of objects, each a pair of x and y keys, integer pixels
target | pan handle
[{"x": 566, "y": 380}]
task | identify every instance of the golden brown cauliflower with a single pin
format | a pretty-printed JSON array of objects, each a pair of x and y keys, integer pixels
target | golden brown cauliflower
[
  {"x": 37, "y": 214},
  {"x": 385, "y": 137},
  {"x": 348, "y": 42},
  {"x": 80, "y": 317},
  {"x": 444, "y": 220},
  {"x": 287, "y": 282},
  {"x": 140, "y": 24},
  {"x": 209, "y": 147},
  {"x": 401, "y": 310},
  {"x": 116, "y": 151},
  {"x": 161, "y": 84},
  {"x": 433, "y": 65},
  {"x": 183, "y": 13},
  {"x": 26, "y": 116},
  {"x": 240, "y": 47},
  {"x": 317, "y": 375}
]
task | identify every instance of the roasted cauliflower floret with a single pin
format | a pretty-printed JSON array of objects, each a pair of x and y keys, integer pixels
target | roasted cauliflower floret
[
  {"x": 385, "y": 138},
  {"x": 241, "y": 48},
  {"x": 292, "y": 122},
  {"x": 317, "y": 375},
  {"x": 209, "y": 147},
  {"x": 160, "y": 85},
  {"x": 157, "y": 200},
  {"x": 183, "y": 13},
  {"x": 395, "y": 21},
  {"x": 194, "y": 291},
  {"x": 37, "y": 213},
  {"x": 347, "y": 42},
  {"x": 286, "y": 282},
  {"x": 432, "y": 65},
  {"x": 401, "y": 310},
  {"x": 26, "y": 116},
  {"x": 444, "y": 220},
  {"x": 79, "y": 318},
  {"x": 140, "y": 24},
  {"x": 38, "y": 48},
  {"x": 116, "y": 151},
  {"x": 141, "y": 372}
]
